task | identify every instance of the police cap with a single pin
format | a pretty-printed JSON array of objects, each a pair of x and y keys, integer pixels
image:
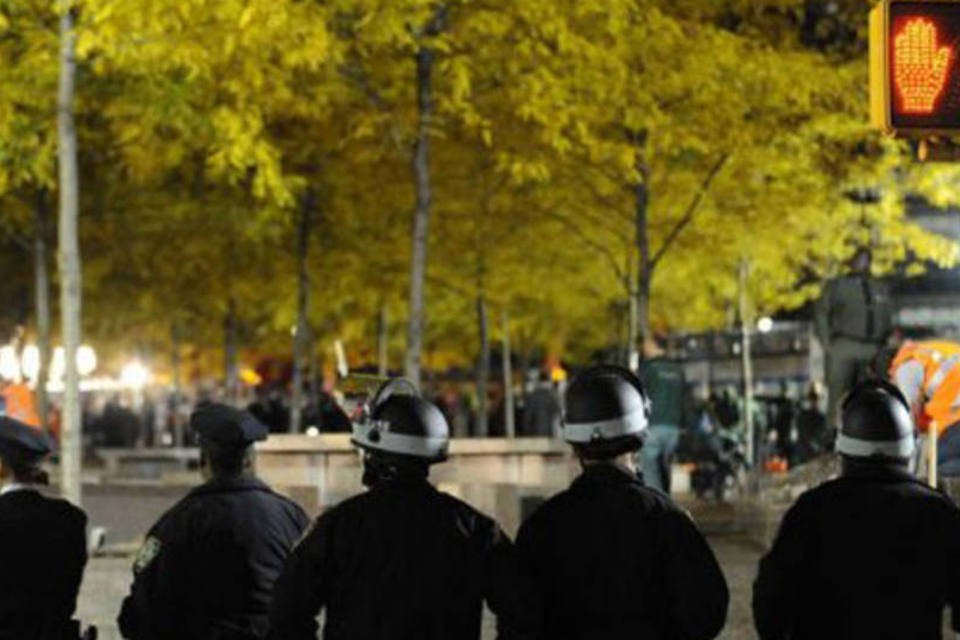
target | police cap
[
  {"x": 21, "y": 444},
  {"x": 226, "y": 426}
]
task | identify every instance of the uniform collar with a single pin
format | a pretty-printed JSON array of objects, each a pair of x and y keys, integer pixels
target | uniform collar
[
  {"x": 863, "y": 470},
  {"x": 227, "y": 485},
  {"x": 603, "y": 473},
  {"x": 403, "y": 482}
]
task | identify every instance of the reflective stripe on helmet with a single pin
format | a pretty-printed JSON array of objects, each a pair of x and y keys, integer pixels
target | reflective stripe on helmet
[
  {"x": 370, "y": 436},
  {"x": 858, "y": 448},
  {"x": 631, "y": 423}
]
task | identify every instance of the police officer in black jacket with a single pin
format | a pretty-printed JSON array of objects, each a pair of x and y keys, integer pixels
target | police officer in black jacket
[
  {"x": 613, "y": 558},
  {"x": 873, "y": 554},
  {"x": 402, "y": 561},
  {"x": 207, "y": 568},
  {"x": 43, "y": 545}
]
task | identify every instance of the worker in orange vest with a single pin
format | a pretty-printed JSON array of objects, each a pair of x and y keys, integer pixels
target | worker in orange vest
[
  {"x": 18, "y": 403},
  {"x": 927, "y": 373}
]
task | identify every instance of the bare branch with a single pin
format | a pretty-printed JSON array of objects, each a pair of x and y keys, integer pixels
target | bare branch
[
  {"x": 690, "y": 212},
  {"x": 599, "y": 247}
]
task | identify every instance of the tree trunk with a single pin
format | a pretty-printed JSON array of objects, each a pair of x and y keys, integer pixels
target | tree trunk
[
  {"x": 383, "y": 338},
  {"x": 421, "y": 217},
  {"x": 301, "y": 339},
  {"x": 746, "y": 325},
  {"x": 231, "y": 373},
  {"x": 510, "y": 428},
  {"x": 42, "y": 298},
  {"x": 177, "y": 385},
  {"x": 640, "y": 298},
  {"x": 630, "y": 352},
  {"x": 483, "y": 368},
  {"x": 71, "y": 445},
  {"x": 644, "y": 271}
]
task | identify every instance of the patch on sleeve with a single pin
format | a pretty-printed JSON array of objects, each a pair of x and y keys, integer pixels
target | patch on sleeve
[{"x": 148, "y": 552}]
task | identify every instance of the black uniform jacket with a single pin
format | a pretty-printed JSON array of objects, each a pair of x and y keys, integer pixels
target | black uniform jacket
[
  {"x": 402, "y": 561},
  {"x": 615, "y": 559},
  {"x": 874, "y": 554},
  {"x": 207, "y": 568},
  {"x": 43, "y": 551}
]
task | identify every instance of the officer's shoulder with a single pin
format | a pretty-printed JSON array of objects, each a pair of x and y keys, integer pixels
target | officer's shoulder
[
  {"x": 67, "y": 510},
  {"x": 346, "y": 507},
  {"x": 283, "y": 500},
  {"x": 465, "y": 511}
]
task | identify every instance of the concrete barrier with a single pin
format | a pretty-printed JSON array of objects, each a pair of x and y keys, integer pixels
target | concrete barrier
[
  {"x": 506, "y": 478},
  {"x": 503, "y": 477}
]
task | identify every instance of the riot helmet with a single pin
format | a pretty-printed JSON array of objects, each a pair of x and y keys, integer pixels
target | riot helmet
[
  {"x": 876, "y": 423},
  {"x": 397, "y": 421},
  {"x": 607, "y": 412}
]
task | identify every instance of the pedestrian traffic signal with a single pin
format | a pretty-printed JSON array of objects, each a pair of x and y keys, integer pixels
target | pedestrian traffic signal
[{"x": 914, "y": 71}]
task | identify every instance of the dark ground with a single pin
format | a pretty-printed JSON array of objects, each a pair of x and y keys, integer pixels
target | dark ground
[{"x": 107, "y": 580}]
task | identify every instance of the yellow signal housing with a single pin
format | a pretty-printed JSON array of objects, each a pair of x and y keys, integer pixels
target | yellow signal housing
[{"x": 879, "y": 73}]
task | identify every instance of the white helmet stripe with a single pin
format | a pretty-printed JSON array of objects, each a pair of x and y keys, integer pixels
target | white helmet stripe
[
  {"x": 401, "y": 443},
  {"x": 858, "y": 448},
  {"x": 583, "y": 432}
]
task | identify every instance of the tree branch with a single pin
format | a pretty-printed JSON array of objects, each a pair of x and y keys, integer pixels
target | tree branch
[
  {"x": 600, "y": 248},
  {"x": 690, "y": 212}
]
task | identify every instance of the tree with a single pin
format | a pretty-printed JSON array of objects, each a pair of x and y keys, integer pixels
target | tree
[{"x": 69, "y": 260}]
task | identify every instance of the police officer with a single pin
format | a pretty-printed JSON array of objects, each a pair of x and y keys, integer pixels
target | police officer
[
  {"x": 613, "y": 558},
  {"x": 402, "y": 561},
  {"x": 854, "y": 317},
  {"x": 873, "y": 554},
  {"x": 207, "y": 568},
  {"x": 42, "y": 543}
]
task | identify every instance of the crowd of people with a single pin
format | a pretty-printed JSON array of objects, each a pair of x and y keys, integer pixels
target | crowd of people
[{"x": 608, "y": 557}]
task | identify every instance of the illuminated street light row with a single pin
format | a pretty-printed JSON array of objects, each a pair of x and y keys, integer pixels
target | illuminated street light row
[{"x": 26, "y": 365}]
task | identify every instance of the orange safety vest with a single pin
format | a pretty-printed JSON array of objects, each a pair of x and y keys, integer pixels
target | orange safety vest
[
  {"x": 940, "y": 407},
  {"x": 20, "y": 404}
]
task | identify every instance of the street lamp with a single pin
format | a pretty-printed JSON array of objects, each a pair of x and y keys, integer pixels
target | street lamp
[
  {"x": 9, "y": 363},
  {"x": 30, "y": 362},
  {"x": 765, "y": 324},
  {"x": 86, "y": 360},
  {"x": 134, "y": 375}
]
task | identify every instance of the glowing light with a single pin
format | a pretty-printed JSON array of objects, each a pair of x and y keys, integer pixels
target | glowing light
[
  {"x": 313, "y": 432},
  {"x": 134, "y": 375},
  {"x": 765, "y": 325},
  {"x": 30, "y": 362},
  {"x": 59, "y": 364},
  {"x": 919, "y": 67},
  {"x": 86, "y": 360},
  {"x": 9, "y": 363},
  {"x": 250, "y": 377}
]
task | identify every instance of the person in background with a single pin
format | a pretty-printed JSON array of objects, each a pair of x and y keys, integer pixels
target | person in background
[
  {"x": 813, "y": 436},
  {"x": 541, "y": 411},
  {"x": 402, "y": 561},
  {"x": 207, "y": 567},
  {"x": 43, "y": 544},
  {"x": 853, "y": 318},
  {"x": 928, "y": 375},
  {"x": 666, "y": 385},
  {"x": 17, "y": 401},
  {"x": 872, "y": 554},
  {"x": 612, "y": 558}
]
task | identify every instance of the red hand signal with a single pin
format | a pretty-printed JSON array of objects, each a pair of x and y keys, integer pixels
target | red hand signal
[{"x": 919, "y": 67}]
